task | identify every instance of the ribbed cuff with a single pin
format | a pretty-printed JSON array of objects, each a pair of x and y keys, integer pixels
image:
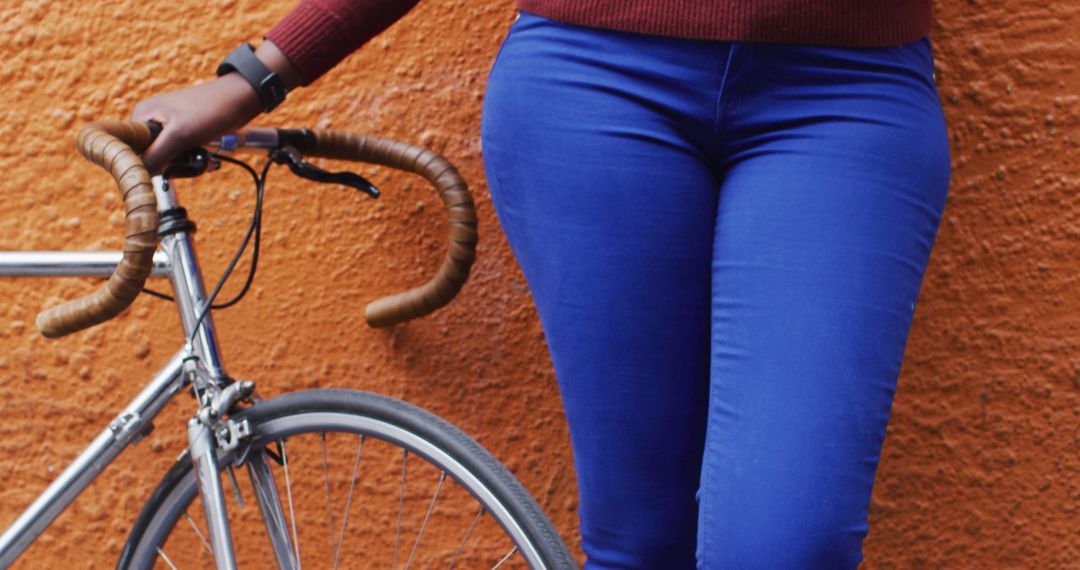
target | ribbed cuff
[
  {"x": 862, "y": 23},
  {"x": 313, "y": 39}
]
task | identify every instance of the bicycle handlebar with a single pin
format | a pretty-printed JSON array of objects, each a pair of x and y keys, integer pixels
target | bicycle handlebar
[
  {"x": 115, "y": 145},
  {"x": 457, "y": 201}
]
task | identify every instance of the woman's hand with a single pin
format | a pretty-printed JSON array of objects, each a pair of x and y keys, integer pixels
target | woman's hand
[{"x": 196, "y": 115}]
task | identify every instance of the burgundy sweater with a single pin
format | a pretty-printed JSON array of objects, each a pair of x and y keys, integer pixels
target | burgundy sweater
[{"x": 318, "y": 34}]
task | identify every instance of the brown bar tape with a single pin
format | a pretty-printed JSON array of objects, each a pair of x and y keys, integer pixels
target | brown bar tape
[
  {"x": 114, "y": 146},
  {"x": 457, "y": 202}
]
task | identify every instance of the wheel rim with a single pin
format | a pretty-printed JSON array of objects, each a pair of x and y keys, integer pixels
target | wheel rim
[{"x": 325, "y": 430}]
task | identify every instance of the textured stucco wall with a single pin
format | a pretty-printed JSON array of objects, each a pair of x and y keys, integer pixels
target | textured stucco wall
[{"x": 981, "y": 466}]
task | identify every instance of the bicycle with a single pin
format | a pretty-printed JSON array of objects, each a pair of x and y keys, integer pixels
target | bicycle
[{"x": 289, "y": 438}]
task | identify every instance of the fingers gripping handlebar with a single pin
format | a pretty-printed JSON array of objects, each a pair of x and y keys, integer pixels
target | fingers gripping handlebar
[
  {"x": 115, "y": 146},
  {"x": 457, "y": 202}
]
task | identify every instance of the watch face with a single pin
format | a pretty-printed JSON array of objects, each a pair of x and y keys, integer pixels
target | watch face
[{"x": 274, "y": 88}]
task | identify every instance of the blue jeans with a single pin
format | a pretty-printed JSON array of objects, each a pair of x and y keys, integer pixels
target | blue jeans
[{"x": 725, "y": 244}]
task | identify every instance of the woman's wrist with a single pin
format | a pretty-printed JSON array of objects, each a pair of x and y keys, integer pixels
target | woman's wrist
[
  {"x": 240, "y": 96},
  {"x": 276, "y": 60}
]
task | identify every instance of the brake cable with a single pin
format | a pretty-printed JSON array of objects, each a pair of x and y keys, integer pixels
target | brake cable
[{"x": 255, "y": 227}]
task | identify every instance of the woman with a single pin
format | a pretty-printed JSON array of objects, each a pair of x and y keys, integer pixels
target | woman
[{"x": 724, "y": 211}]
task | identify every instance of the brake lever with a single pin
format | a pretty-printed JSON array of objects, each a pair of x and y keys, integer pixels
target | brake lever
[
  {"x": 290, "y": 157},
  {"x": 194, "y": 162}
]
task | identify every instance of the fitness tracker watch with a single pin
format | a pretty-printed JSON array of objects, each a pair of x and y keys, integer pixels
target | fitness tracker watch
[{"x": 267, "y": 84}]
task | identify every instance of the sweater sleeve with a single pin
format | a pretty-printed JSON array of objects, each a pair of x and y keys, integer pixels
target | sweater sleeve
[{"x": 318, "y": 34}]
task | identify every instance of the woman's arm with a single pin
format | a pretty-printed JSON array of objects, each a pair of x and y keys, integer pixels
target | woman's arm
[
  {"x": 303, "y": 46},
  {"x": 318, "y": 34}
]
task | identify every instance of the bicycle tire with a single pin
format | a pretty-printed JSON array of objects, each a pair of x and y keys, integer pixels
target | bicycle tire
[{"x": 391, "y": 423}]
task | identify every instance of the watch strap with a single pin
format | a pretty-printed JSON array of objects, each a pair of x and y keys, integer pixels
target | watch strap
[{"x": 267, "y": 84}]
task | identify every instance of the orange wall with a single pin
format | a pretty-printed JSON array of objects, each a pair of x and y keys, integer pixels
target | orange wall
[{"x": 981, "y": 465}]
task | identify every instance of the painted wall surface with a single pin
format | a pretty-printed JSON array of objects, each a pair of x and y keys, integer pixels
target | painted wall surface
[{"x": 981, "y": 468}]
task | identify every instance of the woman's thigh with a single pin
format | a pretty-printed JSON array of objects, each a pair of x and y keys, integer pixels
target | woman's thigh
[
  {"x": 836, "y": 174},
  {"x": 609, "y": 205}
]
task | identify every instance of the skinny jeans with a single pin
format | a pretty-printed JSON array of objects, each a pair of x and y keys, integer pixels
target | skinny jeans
[{"x": 725, "y": 242}]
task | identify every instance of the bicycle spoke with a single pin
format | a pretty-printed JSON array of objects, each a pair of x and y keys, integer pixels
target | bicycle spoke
[
  {"x": 329, "y": 500},
  {"x": 401, "y": 504},
  {"x": 235, "y": 486},
  {"x": 348, "y": 500},
  {"x": 198, "y": 532},
  {"x": 423, "y": 525},
  {"x": 468, "y": 533},
  {"x": 288, "y": 491},
  {"x": 161, "y": 553},
  {"x": 512, "y": 552}
]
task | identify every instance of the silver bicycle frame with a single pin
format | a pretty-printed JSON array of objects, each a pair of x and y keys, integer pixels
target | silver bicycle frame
[{"x": 199, "y": 362}]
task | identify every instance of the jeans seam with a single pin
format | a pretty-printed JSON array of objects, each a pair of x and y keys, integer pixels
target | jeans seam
[{"x": 720, "y": 93}]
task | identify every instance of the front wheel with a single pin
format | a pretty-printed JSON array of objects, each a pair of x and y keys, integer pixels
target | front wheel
[{"x": 356, "y": 480}]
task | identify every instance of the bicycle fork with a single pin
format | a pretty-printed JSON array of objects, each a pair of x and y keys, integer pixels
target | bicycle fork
[
  {"x": 203, "y": 456},
  {"x": 207, "y": 435}
]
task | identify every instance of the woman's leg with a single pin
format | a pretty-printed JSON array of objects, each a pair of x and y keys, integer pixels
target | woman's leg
[
  {"x": 608, "y": 204},
  {"x": 836, "y": 176}
]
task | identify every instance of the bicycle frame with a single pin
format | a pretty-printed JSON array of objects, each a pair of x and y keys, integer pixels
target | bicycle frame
[{"x": 198, "y": 364}]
